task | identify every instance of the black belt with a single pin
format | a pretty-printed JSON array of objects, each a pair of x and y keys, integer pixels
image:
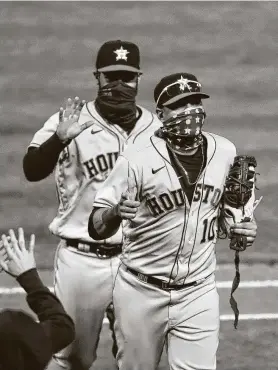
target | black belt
[
  {"x": 101, "y": 250},
  {"x": 159, "y": 283}
]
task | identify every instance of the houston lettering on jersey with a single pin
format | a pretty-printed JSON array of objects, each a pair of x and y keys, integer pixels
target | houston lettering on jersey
[
  {"x": 166, "y": 202},
  {"x": 101, "y": 164}
]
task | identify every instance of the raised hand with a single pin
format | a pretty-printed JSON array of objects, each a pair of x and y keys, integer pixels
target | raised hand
[
  {"x": 69, "y": 127},
  {"x": 18, "y": 258}
]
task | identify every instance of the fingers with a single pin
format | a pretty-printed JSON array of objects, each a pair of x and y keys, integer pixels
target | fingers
[
  {"x": 80, "y": 106},
  {"x": 75, "y": 103},
  {"x": 245, "y": 225},
  {"x": 21, "y": 239},
  {"x": 72, "y": 109},
  {"x": 128, "y": 216},
  {"x": 87, "y": 124},
  {"x": 61, "y": 115},
  {"x": 7, "y": 246},
  {"x": 244, "y": 228},
  {"x": 246, "y": 232},
  {"x": 125, "y": 201},
  {"x": 128, "y": 213},
  {"x": 69, "y": 106},
  {"x": 128, "y": 208},
  {"x": 131, "y": 203},
  {"x": 3, "y": 254},
  {"x": 250, "y": 241},
  {"x": 126, "y": 197},
  {"x": 32, "y": 243},
  {"x": 4, "y": 265},
  {"x": 14, "y": 242}
]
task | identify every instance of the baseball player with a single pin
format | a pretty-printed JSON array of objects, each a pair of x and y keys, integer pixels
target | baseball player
[
  {"x": 166, "y": 193},
  {"x": 83, "y": 142}
]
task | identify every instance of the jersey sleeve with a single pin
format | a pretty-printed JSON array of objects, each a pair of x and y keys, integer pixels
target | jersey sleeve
[
  {"x": 55, "y": 322},
  {"x": 123, "y": 178},
  {"x": 48, "y": 129}
]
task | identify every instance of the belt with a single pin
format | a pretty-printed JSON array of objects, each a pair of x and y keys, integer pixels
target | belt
[
  {"x": 101, "y": 250},
  {"x": 160, "y": 283}
]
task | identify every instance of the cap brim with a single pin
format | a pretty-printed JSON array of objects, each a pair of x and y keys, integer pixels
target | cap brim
[
  {"x": 119, "y": 67},
  {"x": 185, "y": 95}
]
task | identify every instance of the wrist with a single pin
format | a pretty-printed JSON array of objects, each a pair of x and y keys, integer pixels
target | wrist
[
  {"x": 110, "y": 214},
  {"x": 63, "y": 140}
]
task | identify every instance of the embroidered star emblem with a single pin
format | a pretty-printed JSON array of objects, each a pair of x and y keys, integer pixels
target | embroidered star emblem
[
  {"x": 197, "y": 130},
  {"x": 183, "y": 83},
  {"x": 197, "y": 119},
  {"x": 121, "y": 53},
  {"x": 187, "y": 130}
]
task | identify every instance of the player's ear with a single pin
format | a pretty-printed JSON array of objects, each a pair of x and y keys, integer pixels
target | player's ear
[{"x": 96, "y": 74}]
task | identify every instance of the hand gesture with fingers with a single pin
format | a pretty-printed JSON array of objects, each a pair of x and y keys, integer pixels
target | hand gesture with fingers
[
  {"x": 3, "y": 253},
  {"x": 69, "y": 127},
  {"x": 127, "y": 208},
  {"x": 19, "y": 258}
]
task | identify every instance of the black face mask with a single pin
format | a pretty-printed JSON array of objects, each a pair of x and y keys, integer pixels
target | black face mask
[{"x": 116, "y": 103}]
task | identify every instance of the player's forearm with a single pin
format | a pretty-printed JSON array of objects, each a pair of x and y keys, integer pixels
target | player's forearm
[
  {"x": 103, "y": 223},
  {"x": 55, "y": 322},
  {"x": 38, "y": 163},
  {"x": 39, "y": 297}
]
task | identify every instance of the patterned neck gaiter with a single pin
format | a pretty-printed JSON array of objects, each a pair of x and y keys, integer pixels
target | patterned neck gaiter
[{"x": 183, "y": 131}]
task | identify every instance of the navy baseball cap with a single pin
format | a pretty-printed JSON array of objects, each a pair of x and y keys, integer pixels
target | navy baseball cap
[
  {"x": 117, "y": 55},
  {"x": 177, "y": 86}
]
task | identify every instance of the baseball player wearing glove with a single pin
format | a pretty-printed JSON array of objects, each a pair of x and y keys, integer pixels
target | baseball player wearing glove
[
  {"x": 82, "y": 142},
  {"x": 166, "y": 193}
]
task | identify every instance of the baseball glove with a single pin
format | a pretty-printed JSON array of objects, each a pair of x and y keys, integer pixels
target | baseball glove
[{"x": 238, "y": 190}]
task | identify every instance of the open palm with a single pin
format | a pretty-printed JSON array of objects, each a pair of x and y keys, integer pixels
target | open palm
[{"x": 69, "y": 127}]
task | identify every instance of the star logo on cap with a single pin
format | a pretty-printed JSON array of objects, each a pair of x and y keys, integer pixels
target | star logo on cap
[
  {"x": 183, "y": 83},
  {"x": 121, "y": 53}
]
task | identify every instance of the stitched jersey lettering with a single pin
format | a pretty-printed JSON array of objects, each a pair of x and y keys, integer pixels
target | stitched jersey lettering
[
  {"x": 168, "y": 201},
  {"x": 100, "y": 164}
]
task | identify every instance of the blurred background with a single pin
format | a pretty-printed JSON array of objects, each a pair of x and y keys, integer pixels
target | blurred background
[{"x": 47, "y": 53}]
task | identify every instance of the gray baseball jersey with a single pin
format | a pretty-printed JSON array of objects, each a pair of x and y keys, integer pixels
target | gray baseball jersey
[
  {"x": 169, "y": 238},
  {"x": 84, "y": 165}
]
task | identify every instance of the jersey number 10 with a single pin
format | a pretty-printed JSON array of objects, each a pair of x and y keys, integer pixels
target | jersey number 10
[{"x": 209, "y": 229}]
